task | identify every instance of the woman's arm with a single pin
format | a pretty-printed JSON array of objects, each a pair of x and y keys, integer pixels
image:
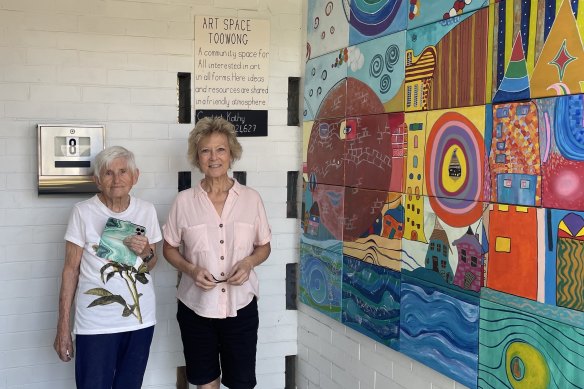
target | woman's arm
[
  {"x": 63, "y": 344},
  {"x": 201, "y": 276},
  {"x": 240, "y": 271}
]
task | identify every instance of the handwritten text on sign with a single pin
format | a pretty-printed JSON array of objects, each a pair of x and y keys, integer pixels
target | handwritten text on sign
[{"x": 231, "y": 63}]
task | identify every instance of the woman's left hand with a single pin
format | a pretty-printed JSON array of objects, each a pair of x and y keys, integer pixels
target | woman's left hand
[
  {"x": 240, "y": 272},
  {"x": 138, "y": 244}
]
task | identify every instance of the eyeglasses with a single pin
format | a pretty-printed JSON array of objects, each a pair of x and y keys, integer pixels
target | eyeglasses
[{"x": 215, "y": 280}]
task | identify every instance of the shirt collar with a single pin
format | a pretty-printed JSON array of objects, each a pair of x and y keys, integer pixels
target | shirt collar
[{"x": 236, "y": 188}]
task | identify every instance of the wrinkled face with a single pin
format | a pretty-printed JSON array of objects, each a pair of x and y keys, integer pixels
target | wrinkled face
[
  {"x": 116, "y": 180},
  {"x": 214, "y": 155}
]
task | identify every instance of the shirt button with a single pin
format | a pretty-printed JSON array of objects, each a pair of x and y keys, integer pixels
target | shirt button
[
  {"x": 221, "y": 225},
  {"x": 223, "y": 290},
  {"x": 222, "y": 257},
  {"x": 221, "y": 241},
  {"x": 223, "y": 274}
]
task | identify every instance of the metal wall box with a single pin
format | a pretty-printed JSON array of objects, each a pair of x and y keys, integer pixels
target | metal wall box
[{"x": 65, "y": 157}]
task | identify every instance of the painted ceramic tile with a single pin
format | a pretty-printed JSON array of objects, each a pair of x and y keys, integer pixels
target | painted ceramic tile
[
  {"x": 453, "y": 256},
  {"x": 422, "y": 12},
  {"x": 327, "y": 26},
  {"x": 562, "y": 151},
  {"x": 325, "y": 86},
  {"x": 525, "y": 344},
  {"x": 325, "y": 162},
  {"x": 322, "y": 217},
  {"x": 372, "y": 19},
  {"x": 440, "y": 329},
  {"x": 537, "y": 49},
  {"x": 564, "y": 264},
  {"x": 320, "y": 280},
  {"x": 380, "y": 241},
  {"x": 371, "y": 301},
  {"x": 514, "y": 157},
  {"x": 514, "y": 261},
  {"x": 443, "y": 70},
  {"x": 455, "y": 161},
  {"x": 376, "y": 75},
  {"x": 374, "y": 152},
  {"x": 414, "y": 175}
]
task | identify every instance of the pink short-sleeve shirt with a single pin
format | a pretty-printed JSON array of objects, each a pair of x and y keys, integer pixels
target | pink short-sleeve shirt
[{"x": 217, "y": 243}]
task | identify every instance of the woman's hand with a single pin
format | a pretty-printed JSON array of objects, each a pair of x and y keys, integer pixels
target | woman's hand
[
  {"x": 63, "y": 344},
  {"x": 240, "y": 272},
  {"x": 203, "y": 279},
  {"x": 138, "y": 244}
]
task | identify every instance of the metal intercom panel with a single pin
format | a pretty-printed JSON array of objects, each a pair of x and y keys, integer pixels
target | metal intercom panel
[{"x": 65, "y": 156}]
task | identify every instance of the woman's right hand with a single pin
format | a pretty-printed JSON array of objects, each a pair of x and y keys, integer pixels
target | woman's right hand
[
  {"x": 63, "y": 344},
  {"x": 203, "y": 279}
]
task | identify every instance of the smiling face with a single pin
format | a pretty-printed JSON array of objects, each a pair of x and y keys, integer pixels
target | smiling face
[
  {"x": 214, "y": 155},
  {"x": 116, "y": 180}
]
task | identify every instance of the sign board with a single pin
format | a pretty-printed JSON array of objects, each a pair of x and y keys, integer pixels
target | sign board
[
  {"x": 232, "y": 57},
  {"x": 247, "y": 122}
]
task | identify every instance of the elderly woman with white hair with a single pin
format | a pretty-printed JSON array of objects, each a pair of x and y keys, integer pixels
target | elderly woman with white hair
[{"x": 109, "y": 250}]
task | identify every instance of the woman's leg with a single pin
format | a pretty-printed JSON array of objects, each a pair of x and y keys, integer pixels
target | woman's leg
[
  {"x": 95, "y": 360},
  {"x": 238, "y": 346},
  {"x": 200, "y": 345},
  {"x": 132, "y": 358}
]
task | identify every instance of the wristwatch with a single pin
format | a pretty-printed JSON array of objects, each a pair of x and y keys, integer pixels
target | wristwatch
[{"x": 149, "y": 256}]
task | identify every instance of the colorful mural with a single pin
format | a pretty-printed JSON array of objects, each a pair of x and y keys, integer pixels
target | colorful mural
[
  {"x": 439, "y": 329},
  {"x": 375, "y": 71},
  {"x": 371, "y": 301},
  {"x": 319, "y": 284},
  {"x": 436, "y": 223},
  {"x": 525, "y": 344},
  {"x": 374, "y": 18}
]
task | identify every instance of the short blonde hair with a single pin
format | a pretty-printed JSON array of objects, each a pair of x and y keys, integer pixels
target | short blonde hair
[{"x": 206, "y": 127}]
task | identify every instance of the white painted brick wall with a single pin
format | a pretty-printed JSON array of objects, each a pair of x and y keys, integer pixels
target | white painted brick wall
[{"x": 114, "y": 62}]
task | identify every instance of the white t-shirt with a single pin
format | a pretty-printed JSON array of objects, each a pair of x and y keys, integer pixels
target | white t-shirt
[{"x": 110, "y": 306}]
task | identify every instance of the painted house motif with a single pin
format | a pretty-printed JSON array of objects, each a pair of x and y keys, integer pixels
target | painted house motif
[
  {"x": 437, "y": 254},
  {"x": 393, "y": 223},
  {"x": 513, "y": 265},
  {"x": 514, "y": 158},
  {"x": 414, "y": 212},
  {"x": 419, "y": 75},
  {"x": 469, "y": 272},
  {"x": 313, "y": 220}
]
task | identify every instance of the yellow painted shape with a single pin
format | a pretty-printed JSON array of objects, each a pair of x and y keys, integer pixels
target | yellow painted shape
[
  {"x": 452, "y": 184},
  {"x": 526, "y": 367},
  {"x": 502, "y": 244},
  {"x": 503, "y": 208},
  {"x": 545, "y": 75},
  {"x": 522, "y": 209},
  {"x": 530, "y": 59}
]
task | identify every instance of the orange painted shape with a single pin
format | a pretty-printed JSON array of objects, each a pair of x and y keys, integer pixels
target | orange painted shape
[{"x": 514, "y": 272}]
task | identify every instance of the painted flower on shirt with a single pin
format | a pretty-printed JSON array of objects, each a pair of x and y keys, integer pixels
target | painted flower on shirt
[{"x": 131, "y": 276}]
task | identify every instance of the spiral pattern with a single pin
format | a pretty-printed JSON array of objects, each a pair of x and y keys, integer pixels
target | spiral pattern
[
  {"x": 384, "y": 83},
  {"x": 391, "y": 57},
  {"x": 376, "y": 66}
]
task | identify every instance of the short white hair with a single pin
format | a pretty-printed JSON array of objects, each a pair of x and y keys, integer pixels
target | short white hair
[{"x": 105, "y": 157}]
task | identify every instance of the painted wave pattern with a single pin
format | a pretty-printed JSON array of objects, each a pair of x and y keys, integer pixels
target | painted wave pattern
[
  {"x": 560, "y": 346},
  {"x": 570, "y": 274},
  {"x": 371, "y": 301},
  {"x": 320, "y": 280},
  {"x": 440, "y": 331}
]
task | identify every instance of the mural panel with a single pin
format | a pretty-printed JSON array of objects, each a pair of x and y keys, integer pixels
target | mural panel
[
  {"x": 527, "y": 344},
  {"x": 371, "y": 300},
  {"x": 319, "y": 284},
  {"x": 374, "y": 18}
]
